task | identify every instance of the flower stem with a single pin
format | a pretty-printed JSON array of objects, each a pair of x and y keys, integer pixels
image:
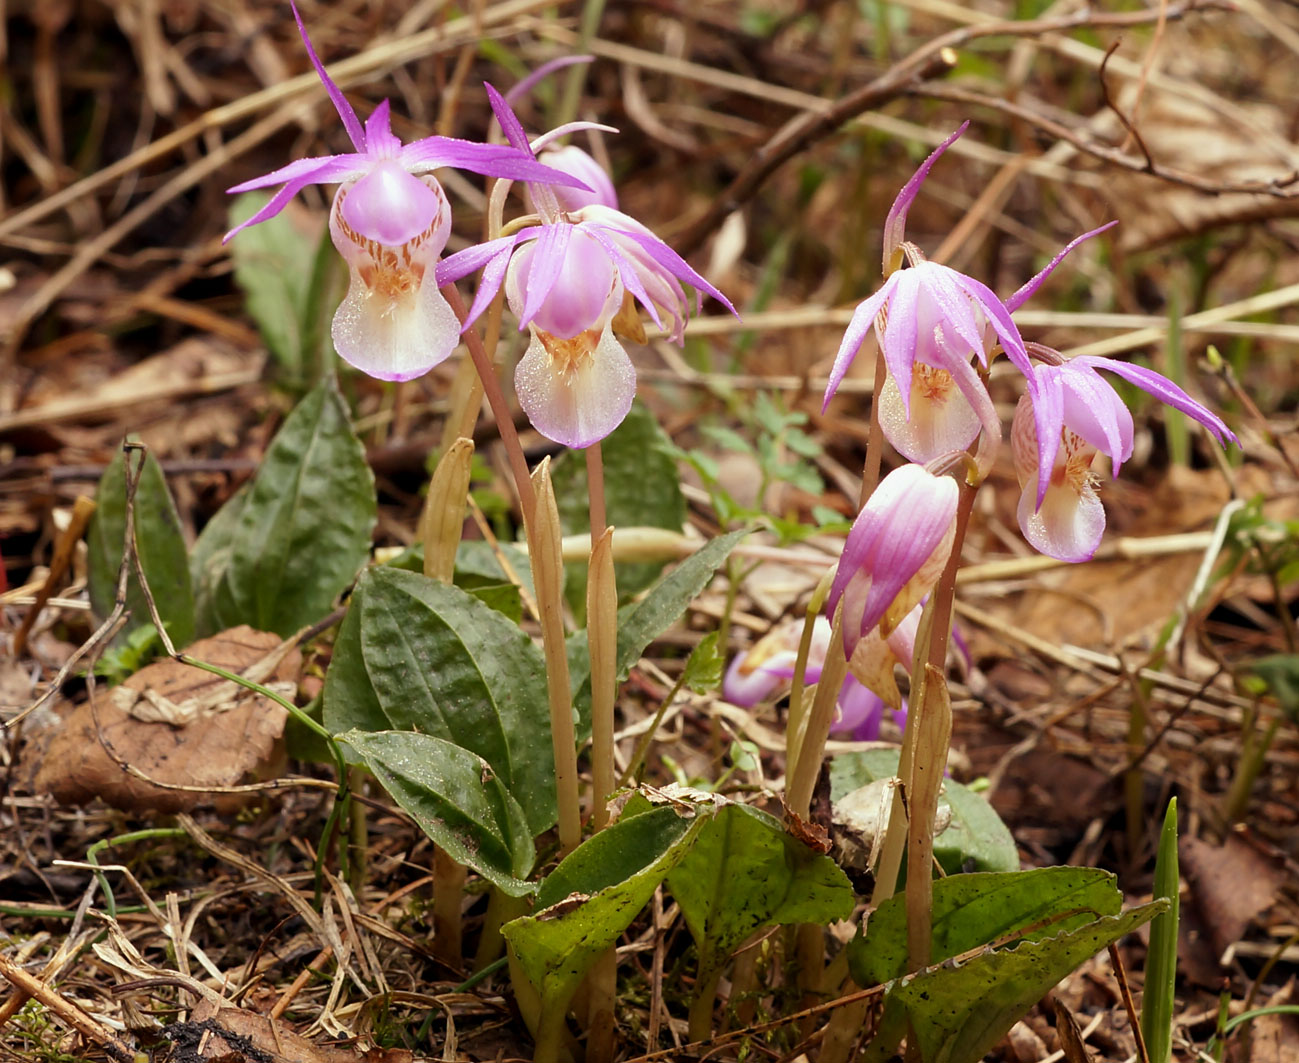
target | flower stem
[
  {"x": 870, "y": 476},
  {"x": 602, "y": 641},
  {"x": 798, "y": 790},
  {"x": 929, "y": 726},
  {"x": 795, "y": 722},
  {"x": 500, "y": 408},
  {"x": 548, "y": 576}
]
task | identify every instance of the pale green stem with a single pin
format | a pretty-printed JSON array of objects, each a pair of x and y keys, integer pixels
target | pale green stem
[
  {"x": 795, "y": 723},
  {"x": 798, "y": 790}
]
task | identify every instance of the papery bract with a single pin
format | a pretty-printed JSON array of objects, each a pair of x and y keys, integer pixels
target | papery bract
[
  {"x": 895, "y": 552},
  {"x": 390, "y": 221}
]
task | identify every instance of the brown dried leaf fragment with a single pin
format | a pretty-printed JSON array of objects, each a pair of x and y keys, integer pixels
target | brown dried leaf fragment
[
  {"x": 1229, "y": 887},
  {"x": 178, "y": 725}
]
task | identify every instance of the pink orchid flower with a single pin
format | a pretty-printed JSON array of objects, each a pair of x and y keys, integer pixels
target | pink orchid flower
[
  {"x": 765, "y": 666},
  {"x": 1073, "y": 414},
  {"x": 931, "y": 321},
  {"x": 565, "y": 281},
  {"x": 390, "y": 221},
  {"x": 895, "y": 552}
]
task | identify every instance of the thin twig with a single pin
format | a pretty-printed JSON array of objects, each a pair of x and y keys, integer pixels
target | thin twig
[
  {"x": 1281, "y": 187},
  {"x": 900, "y": 79}
]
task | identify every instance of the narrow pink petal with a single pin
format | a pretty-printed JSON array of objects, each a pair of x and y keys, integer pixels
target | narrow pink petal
[
  {"x": 576, "y": 401},
  {"x": 488, "y": 285},
  {"x": 1094, "y": 410},
  {"x": 896, "y": 223},
  {"x": 1027, "y": 291},
  {"x": 276, "y": 203},
  {"x": 509, "y": 121},
  {"x": 544, "y": 71},
  {"x": 863, "y": 320},
  {"x": 1002, "y": 324},
  {"x": 1035, "y": 433},
  {"x": 539, "y": 273},
  {"x": 901, "y": 332},
  {"x": 463, "y": 263},
  {"x": 320, "y": 168},
  {"x": 380, "y": 142},
  {"x": 350, "y": 122},
  {"x": 493, "y": 160},
  {"x": 1165, "y": 391}
]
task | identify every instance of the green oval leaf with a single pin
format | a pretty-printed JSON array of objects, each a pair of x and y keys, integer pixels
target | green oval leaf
[
  {"x": 746, "y": 872},
  {"x": 414, "y": 654},
  {"x": 456, "y": 799},
  {"x": 301, "y": 532},
  {"x": 160, "y": 544},
  {"x": 958, "y": 1012},
  {"x": 970, "y": 911},
  {"x": 592, "y": 897}
]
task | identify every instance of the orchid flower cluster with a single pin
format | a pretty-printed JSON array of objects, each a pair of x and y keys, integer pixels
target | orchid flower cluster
[
  {"x": 938, "y": 330},
  {"x": 565, "y": 278}
]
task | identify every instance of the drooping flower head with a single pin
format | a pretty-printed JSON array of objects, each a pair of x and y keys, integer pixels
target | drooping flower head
[
  {"x": 565, "y": 280},
  {"x": 390, "y": 221},
  {"x": 895, "y": 551},
  {"x": 1073, "y": 414}
]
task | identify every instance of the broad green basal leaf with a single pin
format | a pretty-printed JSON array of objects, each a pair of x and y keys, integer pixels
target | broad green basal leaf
[
  {"x": 159, "y": 543},
  {"x": 417, "y": 655},
  {"x": 300, "y": 533},
  {"x": 971, "y": 911},
  {"x": 456, "y": 799},
  {"x": 746, "y": 872},
  {"x": 958, "y": 1012},
  {"x": 592, "y": 897}
]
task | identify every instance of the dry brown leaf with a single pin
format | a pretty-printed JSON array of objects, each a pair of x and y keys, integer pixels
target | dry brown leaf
[
  {"x": 1187, "y": 135},
  {"x": 1229, "y": 887},
  {"x": 1270, "y": 1038},
  {"x": 176, "y": 724},
  {"x": 233, "y": 1035}
]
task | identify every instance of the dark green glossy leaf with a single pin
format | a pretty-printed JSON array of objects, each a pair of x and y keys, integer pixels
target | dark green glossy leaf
[
  {"x": 298, "y": 536},
  {"x": 975, "y": 839},
  {"x": 414, "y": 654},
  {"x": 592, "y": 897},
  {"x": 970, "y": 911},
  {"x": 159, "y": 543},
  {"x": 958, "y": 1013},
  {"x": 746, "y": 872},
  {"x": 456, "y": 799}
]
